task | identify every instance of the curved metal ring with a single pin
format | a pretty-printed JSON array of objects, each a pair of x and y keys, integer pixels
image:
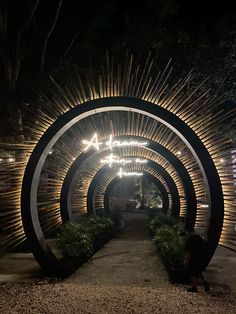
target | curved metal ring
[
  {"x": 164, "y": 194},
  {"x": 153, "y": 146},
  {"x": 30, "y": 219},
  {"x": 169, "y": 181}
]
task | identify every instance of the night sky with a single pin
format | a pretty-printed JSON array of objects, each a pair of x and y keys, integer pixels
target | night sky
[
  {"x": 175, "y": 28},
  {"x": 102, "y": 25}
]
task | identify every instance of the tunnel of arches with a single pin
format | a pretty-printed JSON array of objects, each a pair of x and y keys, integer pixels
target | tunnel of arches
[
  {"x": 147, "y": 152},
  {"x": 31, "y": 220}
]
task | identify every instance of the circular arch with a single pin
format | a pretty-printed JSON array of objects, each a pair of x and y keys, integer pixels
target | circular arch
[
  {"x": 30, "y": 219},
  {"x": 151, "y": 164},
  {"x": 156, "y": 181},
  {"x": 66, "y": 190}
]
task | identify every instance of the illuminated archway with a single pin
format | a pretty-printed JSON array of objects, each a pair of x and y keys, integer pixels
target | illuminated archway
[
  {"x": 103, "y": 172},
  {"x": 32, "y": 172},
  {"x": 156, "y": 181},
  {"x": 66, "y": 190}
]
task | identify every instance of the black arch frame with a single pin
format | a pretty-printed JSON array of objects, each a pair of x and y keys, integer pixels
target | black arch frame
[
  {"x": 151, "y": 164},
  {"x": 164, "y": 193},
  {"x": 157, "y": 148},
  {"x": 30, "y": 220}
]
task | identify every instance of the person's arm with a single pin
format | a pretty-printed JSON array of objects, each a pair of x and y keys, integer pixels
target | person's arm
[{"x": 186, "y": 259}]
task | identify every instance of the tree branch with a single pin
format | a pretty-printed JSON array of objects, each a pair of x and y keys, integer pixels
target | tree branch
[
  {"x": 19, "y": 49},
  {"x": 3, "y": 20},
  {"x": 70, "y": 45},
  {"x": 55, "y": 20},
  {"x": 48, "y": 35},
  {"x": 24, "y": 26}
]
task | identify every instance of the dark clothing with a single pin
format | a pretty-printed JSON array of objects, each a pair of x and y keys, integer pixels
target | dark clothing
[{"x": 195, "y": 245}]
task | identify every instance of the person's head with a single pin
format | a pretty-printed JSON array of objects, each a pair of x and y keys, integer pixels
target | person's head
[{"x": 189, "y": 229}]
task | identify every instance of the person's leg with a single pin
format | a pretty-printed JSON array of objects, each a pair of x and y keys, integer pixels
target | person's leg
[
  {"x": 205, "y": 283},
  {"x": 193, "y": 287}
]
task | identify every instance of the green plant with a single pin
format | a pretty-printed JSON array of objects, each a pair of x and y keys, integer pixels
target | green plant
[
  {"x": 97, "y": 226},
  {"x": 170, "y": 244},
  {"x": 74, "y": 240},
  {"x": 116, "y": 215},
  {"x": 159, "y": 220},
  {"x": 148, "y": 194}
]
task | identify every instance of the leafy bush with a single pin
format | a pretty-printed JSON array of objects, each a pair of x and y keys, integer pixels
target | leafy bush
[
  {"x": 167, "y": 232},
  {"x": 153, "y": 212},
  {"x": 74, "y": 240},
  {"x": 170, "y": 244},
  {"x": 116, "y": 215},
  {"x": 99, "y": 225},
  {"x": 159, "y": 220}
]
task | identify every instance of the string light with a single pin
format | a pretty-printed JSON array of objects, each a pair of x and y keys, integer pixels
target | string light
[
  {"x": 110, "y": 143},
  {"x": 93, "y": 142},
  {"x": 112, "y": 159},
  {"x": 141, "y": 161},
  {"x": 122, "y": 173}
]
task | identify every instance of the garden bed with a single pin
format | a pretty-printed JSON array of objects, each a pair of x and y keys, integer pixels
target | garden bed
[
  {"x": 167, "y": 234},
  {"x": 79, "y": 241}
]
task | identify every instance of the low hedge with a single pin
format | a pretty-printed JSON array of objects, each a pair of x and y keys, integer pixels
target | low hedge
[
  {"x": 168, "y": 237},
  {"x": 82, "y": 239}
]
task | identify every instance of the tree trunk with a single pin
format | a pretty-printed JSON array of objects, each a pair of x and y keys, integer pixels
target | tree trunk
[{"x": 10, "y": 78}]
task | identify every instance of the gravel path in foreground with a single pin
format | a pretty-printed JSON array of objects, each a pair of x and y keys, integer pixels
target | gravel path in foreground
[
  {"x": 126, "y": 276},
  {"x": 63, "y": 297}
]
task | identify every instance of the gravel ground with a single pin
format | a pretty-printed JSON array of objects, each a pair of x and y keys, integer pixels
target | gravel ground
[
  {"x": 126, "y": 276},
  {"x": 63, "y": 297}
]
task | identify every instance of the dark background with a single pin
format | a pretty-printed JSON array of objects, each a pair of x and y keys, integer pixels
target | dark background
[{"x": 195, "y": 34}]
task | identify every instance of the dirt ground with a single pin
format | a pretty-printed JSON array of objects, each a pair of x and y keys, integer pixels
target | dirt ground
[
  {"x": 128, "y": 259},
  {"x": 125, "y": 276}
]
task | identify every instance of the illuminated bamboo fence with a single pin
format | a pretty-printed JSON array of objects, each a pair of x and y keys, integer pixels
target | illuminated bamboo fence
[{"x": 194, "y": 106}]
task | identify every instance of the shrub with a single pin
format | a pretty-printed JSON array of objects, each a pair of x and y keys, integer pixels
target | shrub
[
  {"x": 116, "y": 215},
  {"x": 77, "y": 239},
  {"x": 99, "y": 225},
  {"x": 170, "y": 244},
  {"x": 159, "y": 220},
  {"x": 152, "y": 212},
  {"x": 167, "y": 232},
  {"x": 74, "y": 240}
]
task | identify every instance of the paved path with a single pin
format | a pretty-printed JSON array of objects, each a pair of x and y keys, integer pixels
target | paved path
[
  {"x": 221, "y": 272},
  {"x": 132, "y": 250},
  {"x": 124, "y": 277},
  {"x": 130, "y": 259}
]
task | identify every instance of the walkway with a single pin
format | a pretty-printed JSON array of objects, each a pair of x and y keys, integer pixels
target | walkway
[
  {"x": 125, "y": 276},
  {"x": 130, "y": 259}
]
